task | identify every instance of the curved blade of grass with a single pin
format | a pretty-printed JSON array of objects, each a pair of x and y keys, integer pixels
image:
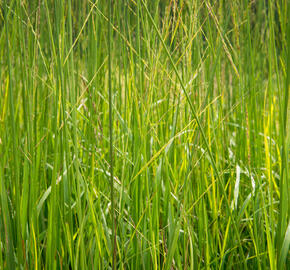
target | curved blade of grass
[{"x": 285, "y": 247}]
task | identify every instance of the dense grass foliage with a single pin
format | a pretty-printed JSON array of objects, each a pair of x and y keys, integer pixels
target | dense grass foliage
[{"x": 144, "y": 134}]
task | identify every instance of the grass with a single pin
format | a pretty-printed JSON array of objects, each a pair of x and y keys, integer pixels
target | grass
[{"x": 144, "y": 134}]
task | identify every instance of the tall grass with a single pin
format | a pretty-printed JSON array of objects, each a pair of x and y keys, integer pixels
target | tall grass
[{"x": 144, "y": 134}]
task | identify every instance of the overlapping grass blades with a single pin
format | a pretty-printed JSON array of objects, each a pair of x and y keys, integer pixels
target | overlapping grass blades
[{"x": 144, "y": 134}]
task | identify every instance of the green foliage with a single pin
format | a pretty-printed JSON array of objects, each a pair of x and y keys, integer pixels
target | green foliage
[{"x": 144, "y": 134}]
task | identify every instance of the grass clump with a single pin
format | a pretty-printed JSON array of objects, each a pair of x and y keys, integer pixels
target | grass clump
[{"x": 144, "y": 134}]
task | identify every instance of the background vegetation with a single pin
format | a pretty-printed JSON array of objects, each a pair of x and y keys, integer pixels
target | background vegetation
[{"x": 148, "y": 135}]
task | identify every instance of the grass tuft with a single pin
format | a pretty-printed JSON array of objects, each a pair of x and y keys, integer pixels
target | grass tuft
[{"x": 158, "y": 142}]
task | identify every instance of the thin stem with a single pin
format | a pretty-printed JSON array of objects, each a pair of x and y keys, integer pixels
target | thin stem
[{"x": 111, "y": 141}]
